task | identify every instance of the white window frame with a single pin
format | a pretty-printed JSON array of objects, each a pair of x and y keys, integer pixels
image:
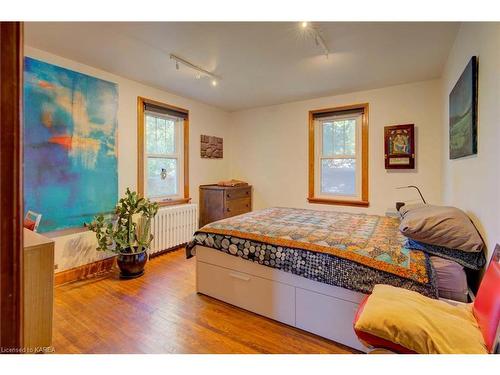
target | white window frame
[
  {"x": 319, "y": 156},
  {"x": 178, "y": 155}
]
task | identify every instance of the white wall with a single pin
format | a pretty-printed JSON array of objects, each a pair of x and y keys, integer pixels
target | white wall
[
  {"x": 272, "y": 144},
  {"x": 267, "y": 146},
  {"x": 75, "y": 249},
  {"x": 473, "y": 183}
]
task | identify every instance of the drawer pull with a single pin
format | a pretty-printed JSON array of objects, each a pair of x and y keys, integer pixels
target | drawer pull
[
  {"x": 239, "y": 276},
  {"x": 228, "y": 195}
]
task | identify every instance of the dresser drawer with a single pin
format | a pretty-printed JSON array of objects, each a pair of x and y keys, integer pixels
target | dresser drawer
[
  {"x": 239, "y": 193},
  {"x": 265, "y": 297},
  {"x": 237, "y": 206},
  {"x": 328, "y": 318},
  {"x": 220, "y": 202}
]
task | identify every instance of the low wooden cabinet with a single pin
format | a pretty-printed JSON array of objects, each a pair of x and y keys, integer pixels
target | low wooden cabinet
[
  {"x": 219, "y": 202},
  {"x": 38, "y": 280}
]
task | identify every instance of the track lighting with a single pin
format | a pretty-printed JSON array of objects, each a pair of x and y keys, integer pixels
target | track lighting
[{"x": 200, "y": 72}]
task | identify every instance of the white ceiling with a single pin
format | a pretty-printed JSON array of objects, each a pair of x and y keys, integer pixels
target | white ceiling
[{"x": 261, "y": 63}]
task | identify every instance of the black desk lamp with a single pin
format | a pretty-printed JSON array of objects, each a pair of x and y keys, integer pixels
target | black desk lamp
[{"x": 401, "y": 204}]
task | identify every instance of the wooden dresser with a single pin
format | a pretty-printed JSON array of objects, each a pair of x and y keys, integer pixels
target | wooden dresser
[
  {"x": 38, "y": 291},
  {"x": 220, "y": 202}
]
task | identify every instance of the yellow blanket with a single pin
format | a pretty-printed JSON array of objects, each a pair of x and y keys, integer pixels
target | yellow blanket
[{"x": 421, "y": 324}]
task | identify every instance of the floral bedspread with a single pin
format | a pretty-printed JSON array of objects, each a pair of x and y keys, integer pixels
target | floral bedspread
[{"x": 353, "y": 251}]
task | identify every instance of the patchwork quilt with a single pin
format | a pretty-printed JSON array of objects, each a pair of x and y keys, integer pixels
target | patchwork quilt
[{"x": 353, "y": 251}]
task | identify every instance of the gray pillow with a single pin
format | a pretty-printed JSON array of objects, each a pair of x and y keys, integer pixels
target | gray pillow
[
  {"x": 441, "y": 226},
  {"x": 451, "y": 279}
]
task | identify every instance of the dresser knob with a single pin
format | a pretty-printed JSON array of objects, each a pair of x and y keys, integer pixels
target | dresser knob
[
  {"x": 228, "y": 209},
  {"x": 228, "y": 195}
]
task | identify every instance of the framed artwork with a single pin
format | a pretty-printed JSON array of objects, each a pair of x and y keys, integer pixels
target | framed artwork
[
  {"x": 463, "y": 113},
  {"x": 70, "y": 158},
  {"x": 399, "y": 146},
  {"x": 211, "y": 147}
]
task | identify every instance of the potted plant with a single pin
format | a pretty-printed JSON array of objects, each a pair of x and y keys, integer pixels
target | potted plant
[{"x": 128, "y": 234}]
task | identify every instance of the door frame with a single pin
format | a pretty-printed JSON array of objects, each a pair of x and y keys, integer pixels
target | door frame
[{"x": 11, "y": 187}]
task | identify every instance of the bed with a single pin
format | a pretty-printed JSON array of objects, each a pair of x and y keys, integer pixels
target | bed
[{"x": 306, "y": 268}]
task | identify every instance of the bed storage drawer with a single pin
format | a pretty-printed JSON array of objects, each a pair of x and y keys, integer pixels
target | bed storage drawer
[
  {"x": 331, "y": 317},
  {"x": 265, "y": 297}
]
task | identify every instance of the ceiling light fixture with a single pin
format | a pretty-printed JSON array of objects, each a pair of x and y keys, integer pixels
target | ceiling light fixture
[
  {"x": 200, "y": 71},
  {"x": 316, "y": 33}
]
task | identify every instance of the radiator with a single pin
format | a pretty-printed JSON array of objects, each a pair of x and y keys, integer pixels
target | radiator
[{"x": 173, "y": 226}]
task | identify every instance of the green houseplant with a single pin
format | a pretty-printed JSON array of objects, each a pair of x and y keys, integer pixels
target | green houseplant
[{"x": 128, "y": 233}]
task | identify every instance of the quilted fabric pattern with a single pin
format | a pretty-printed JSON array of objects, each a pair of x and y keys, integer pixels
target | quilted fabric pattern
[{"x": 341, "y": 249}]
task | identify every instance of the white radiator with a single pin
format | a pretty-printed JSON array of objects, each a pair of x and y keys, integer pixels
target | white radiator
[{"x": 173, "y": 226}]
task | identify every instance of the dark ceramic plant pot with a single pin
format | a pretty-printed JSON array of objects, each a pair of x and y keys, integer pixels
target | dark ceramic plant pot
[{"x": 132, "y": 264}]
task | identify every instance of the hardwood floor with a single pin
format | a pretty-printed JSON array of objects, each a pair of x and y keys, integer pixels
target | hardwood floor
[{"x": 160, "y": 312}]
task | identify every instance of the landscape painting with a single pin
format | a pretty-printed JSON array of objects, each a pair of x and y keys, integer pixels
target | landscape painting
[
  {"x": 70, "y": 125},
  {"x": 463, "y": 113}
]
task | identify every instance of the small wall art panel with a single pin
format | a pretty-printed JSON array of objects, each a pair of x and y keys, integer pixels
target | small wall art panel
[
  {"x": 399, "y": 146},
  {"x": 211, "y": 147}
]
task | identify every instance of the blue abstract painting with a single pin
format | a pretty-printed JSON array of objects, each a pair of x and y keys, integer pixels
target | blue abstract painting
[{"x": 70, "y": 156}]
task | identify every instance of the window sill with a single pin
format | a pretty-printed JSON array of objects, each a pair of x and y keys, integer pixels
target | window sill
[
  {"x": 173, "y": 202},
  {"x": 338, "y": 202}
]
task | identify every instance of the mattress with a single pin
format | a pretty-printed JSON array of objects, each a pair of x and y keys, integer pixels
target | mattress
[
  {"x": 352, "y": 251},
  {"x": 451, "y": 279}
]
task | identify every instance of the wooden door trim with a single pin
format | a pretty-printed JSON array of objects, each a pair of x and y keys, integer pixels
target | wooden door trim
[{"x": 11, "y": 192}]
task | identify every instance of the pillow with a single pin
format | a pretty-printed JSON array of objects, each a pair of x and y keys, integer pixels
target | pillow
[
  {"x": 441, "y": 226},
  {"x": 420, "y": 324},
  {"x": 451, "y": 279},
  {"x": 474, "y": 261}
]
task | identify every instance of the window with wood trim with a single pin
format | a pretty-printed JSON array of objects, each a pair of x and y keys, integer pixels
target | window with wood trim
[
  {"x": 163, "y": 135},
  {"x": 338, "y": 155}
]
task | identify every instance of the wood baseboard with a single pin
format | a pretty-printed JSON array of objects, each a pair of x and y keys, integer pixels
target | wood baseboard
[
  {"x": 97, "y": 269},
  {"x": 166, "y": 251},
  {"x": 94, "y": 269}
]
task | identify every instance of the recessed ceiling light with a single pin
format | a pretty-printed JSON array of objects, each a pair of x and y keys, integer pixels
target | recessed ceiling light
[
  {"x": 304, "y": 25},
  {"x": 214, "y": 82}
]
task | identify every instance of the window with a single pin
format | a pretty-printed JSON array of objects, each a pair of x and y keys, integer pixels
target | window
[
  {"x": 338, "y": 156},
  {"x": 163, "y": 152}
]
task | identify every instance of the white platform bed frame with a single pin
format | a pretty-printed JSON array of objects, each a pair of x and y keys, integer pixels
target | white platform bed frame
[{"x": 322, "y": 309}]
